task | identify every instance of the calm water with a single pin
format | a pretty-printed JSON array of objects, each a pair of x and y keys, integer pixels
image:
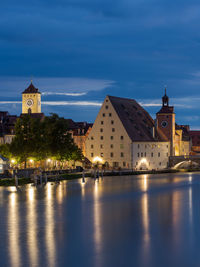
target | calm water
[{"x": 146, "y": 220}]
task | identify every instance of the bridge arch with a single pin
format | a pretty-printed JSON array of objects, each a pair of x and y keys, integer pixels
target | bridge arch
[{"x": 186, "y": 164}]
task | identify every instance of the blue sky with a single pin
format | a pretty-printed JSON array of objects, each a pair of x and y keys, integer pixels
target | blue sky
[{"x": 78, "y": 51}]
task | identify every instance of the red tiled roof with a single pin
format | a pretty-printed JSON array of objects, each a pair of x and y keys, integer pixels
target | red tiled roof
[
  {"x": 137, "y": 121},
  {"x": 31, "y": 89}
]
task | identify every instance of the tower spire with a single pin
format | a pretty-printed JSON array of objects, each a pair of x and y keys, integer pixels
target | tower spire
[{"x": 165, "y": 99}]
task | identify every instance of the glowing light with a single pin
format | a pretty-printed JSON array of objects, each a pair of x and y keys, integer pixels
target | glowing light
[
  {"x": 190, "y": 178},
  {"x": 31, "y": 160},
  {"x": 143, "y": 160},
  {"x": 97, "y": 159},
  {"x": 145, "y": 185},
  {"x": 12, "y": 160},
  {"x": 48, "y": 160}
]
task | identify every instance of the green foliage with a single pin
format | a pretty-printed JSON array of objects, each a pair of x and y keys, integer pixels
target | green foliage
[{"x": 41, "y": 139}]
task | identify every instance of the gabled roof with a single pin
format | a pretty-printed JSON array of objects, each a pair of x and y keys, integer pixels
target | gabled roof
[
  {"x": 31, "y": 90},
  {"x": 136, "y": 121}
]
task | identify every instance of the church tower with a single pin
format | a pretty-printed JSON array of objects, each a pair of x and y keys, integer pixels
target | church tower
[
  {"x": 165, "y": 121},
  {"x": 31, "y": 100}
]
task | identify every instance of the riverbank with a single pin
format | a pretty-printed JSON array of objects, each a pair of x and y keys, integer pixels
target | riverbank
[{"x": 72, "y": 176}]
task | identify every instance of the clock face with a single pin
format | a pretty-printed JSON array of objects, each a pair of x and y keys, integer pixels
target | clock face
[
  {"x": 164, "y": 124},
  {"x": 29, "y": 102}
]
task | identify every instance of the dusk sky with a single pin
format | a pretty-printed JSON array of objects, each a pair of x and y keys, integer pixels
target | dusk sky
[{"x": 78, "y": 51}]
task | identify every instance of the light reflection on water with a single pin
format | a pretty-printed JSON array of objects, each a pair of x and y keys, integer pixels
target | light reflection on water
[{"x": 147, "y": 220}]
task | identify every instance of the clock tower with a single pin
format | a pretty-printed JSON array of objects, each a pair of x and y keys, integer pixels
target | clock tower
[
  {"x": 165, "y": 122},
  {"x": 31, "y": 100}
]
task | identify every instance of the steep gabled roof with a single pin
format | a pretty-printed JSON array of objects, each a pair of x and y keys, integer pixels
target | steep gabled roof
[
  {"x": 137, "y": 122},
  {"x": 31, "y": 90}
]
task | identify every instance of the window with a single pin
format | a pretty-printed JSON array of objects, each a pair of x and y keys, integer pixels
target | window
[
  {"x": 145, "y": 154},
  {"x": 92, "y": 146},
  {"x": 138, "y": 146},
  {"x": 101, "y": 146},
  {"x": 92, "y": 154},
  {"x": 92, "y": 138},
  {"x": 111, "y": 146},
  {"x": 121, "y": 146},
  {"x": 101, "y": 130},
  {"x": 152, "y": 154},
  {"x": 121, "y": 137},
  {"x": 160, "y": 163},
  {"x": 111, "y": 154},
  {"x": 101, "y": 137},
  {"x": 104, "y": 114},
  {"x": 158, "y": 154},
  {"x": 101, "y": 122},
  {"x": 112, "y": 122},
  {"x": 145, "y": 146},
  {"x": 138, "y": 154},
  {"x": 122, "y": 154},
  {"x": 106, "y": 107},
  {"x": 113, "y": 129},
  {"x": 110, "y": 114},
  {"x": 106, "y": 100},
  {"x": 142, "y": 154},
  {"x": 124, "y": 164},
  {"x": 101, "y": 154},
  {"x": 111, "y": 137}
]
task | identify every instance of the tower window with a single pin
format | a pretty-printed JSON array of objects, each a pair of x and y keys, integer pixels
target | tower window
[
  {"x": 92, "y": 154},
  {"x": 152, "y": 154},
  {"x": 104, "y": 114},
  {"x": 158, "y": 154},
  {"x": 111, "y": 146},
  {"x": 92, "y": 146},
  {"x": 113, "y": 129},
  {"x": 110, "y": 114},
  {"x": 101, "y": 130},
  {"x": 112, "y": 122},
  {"x": 106, "y": 107},
  {"x": 101, "y": 146},
  {"x": 122, "y": 154},
  {"x": 121, "y": 137},
  {"x": 111, "y": 137},
  {"x": 111, "y": 154},
  {"x": 101, "y": 122},
  {"x": 101, "y": 137}
]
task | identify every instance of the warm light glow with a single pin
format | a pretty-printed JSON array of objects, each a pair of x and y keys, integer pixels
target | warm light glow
[
  {"x": 48, "y": 160},
  {"x": 12, "y": 160},
  {"x": 143, "y": 160},
  {"x": 97, "y": 159},
  {"x": 145, "y": 185},
  {"x": 31, "y": 160}
]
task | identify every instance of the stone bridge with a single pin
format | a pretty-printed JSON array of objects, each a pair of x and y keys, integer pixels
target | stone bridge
[{"x": 190, "y": 160}]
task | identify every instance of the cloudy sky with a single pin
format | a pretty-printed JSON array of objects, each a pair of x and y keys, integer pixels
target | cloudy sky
[{"x": 78, "y": 51}]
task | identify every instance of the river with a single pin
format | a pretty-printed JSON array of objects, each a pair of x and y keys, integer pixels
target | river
[{"x": 144, "y": 220}]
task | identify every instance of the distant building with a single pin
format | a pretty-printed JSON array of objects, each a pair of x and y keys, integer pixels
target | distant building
[
  {"x": 79, "y": 132},
  {"x": 178, "y": 135},
  {"x": 195, "y": 136},
  {"x": 31, "y": 100},
  {"x": 124, "y": 135}
]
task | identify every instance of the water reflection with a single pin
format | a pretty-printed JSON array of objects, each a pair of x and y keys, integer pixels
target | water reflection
[
  {"x": 32, "y": 221},
  {"x": 49, "y": 225},
  {"x": 110, "y": 219},
  {"x": 13, "y": 229},
  {"x": 97, "y": 223}
]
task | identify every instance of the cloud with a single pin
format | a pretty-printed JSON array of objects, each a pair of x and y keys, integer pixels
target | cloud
[
  {"x": 66, "y": 94},
  {"x": 59, "y": 103},
  {"x": 69, "y": 86}
]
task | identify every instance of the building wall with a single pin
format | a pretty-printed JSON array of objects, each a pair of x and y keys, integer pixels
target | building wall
[
  {"x": 8, "y": 138},
  {"x": 169, "y": 130},
  {"x": 35, "y": 98},
  {"x": 150, "y": 155},
  {"x": 108, "y": 140}
]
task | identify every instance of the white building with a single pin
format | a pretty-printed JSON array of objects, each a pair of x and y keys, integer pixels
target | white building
[{"x": 124, "y": 135}]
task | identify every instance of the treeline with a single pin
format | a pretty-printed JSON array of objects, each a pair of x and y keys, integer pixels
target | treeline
[{"x": 41, "y": 139}]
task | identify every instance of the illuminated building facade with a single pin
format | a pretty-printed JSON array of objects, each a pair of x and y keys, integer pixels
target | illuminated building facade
[{"x": 124, "y": 135}]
